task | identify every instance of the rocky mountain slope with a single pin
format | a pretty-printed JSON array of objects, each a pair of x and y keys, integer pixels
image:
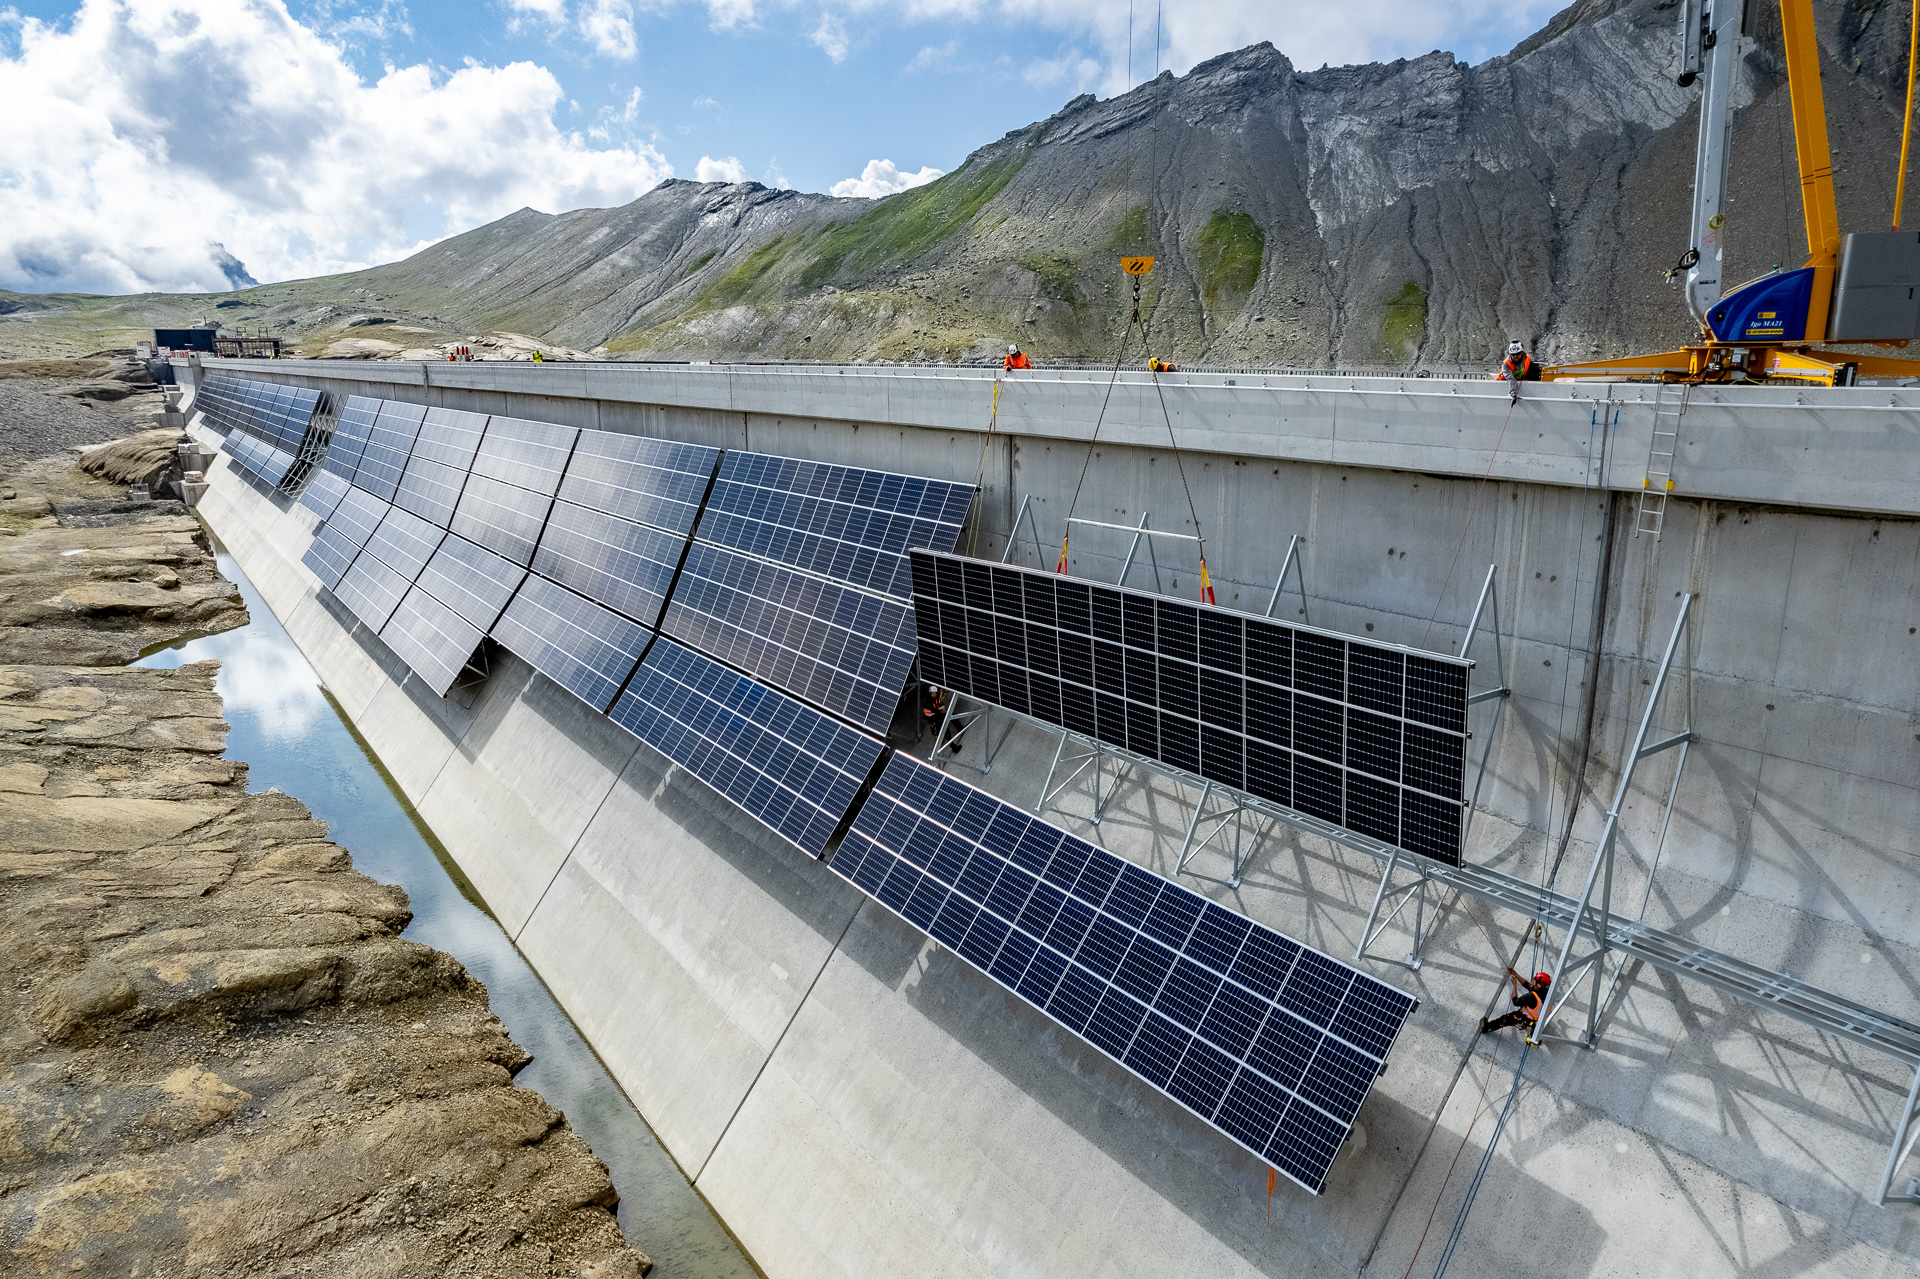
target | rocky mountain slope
[{"x": 1416, "y": 212}]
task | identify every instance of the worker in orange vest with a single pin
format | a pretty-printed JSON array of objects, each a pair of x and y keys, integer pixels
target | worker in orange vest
[
  {"x": 1017, "y": 359},
  {"x": 1158, "y": 365},
  {"x": 1529, "y": 999},
  {"x": 1518, "y": 367}
]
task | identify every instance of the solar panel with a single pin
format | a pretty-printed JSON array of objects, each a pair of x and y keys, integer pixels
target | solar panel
[
  {"x": 1367, "y": 736},
  {"x": 431, "y": 638},
  {"x": 586, "y": 649},
  {"x": 329, "y": 555},
  {"x": 842, "y": 522},
  {"x": 531, "y": 455},
  {"x": 626, "y": 566},
  {"x": 358, "y": 515},
  {"x": 325, "y": 494},
  {"x": 790, "y": 767},
  {"x": 471, "y": 580},
  {"x": 430, "y": 490},
  {"x": 504, "y": 518},
  {"x": 846, "y": 650},
  {"x": 405, "y": 542},
  {"x": 450, "y": 437},
  {"x": 388, "y": 448},
  {"x": 657, "y": 482},
  {"x": 1271, "y": 1042},
  {"x": 350, "y": 435},
  {"x": 371, "y": 591}
]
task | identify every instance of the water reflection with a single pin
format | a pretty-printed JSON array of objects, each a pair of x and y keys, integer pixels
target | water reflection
[{"x": 292, "y": 736}]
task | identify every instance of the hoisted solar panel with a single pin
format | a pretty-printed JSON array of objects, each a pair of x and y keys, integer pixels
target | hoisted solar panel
[
  {"x": 787, "y": 765},
  {"x": 431, "y": 638},
  {"x": 371, "y": 590},
  {"x": 657, "y": 482},
  {"x": 842, "y": 522},
  {"x": 586, "y": 649},
  {"x": 388, "y": 448},
  {"x": 531, "y": 455},
  {"x": 843, "y": 649},
  {"x": 626, "y": 566},
  {"x": 1366, "y": 736},
  {"x": 358, "y": 515},
  {"x": 405, "y": 542},
  {"x": 329, "y": 555},
  {"x": 1269, "y": 1041},
  {"x": 471, "y": 580},
  {"x": 504, "y": 518}
]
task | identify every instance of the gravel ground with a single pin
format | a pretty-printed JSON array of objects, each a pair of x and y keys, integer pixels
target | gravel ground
[{"x": 38, "y": 419}]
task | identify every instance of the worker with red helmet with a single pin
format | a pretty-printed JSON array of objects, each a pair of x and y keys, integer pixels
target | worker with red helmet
[{"x": 1529, "y": 1000}]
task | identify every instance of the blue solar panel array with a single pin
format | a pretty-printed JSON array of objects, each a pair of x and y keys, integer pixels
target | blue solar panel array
[
  {"x": 1271, "y": 1042},
  {"x": 270, "y": 430}
]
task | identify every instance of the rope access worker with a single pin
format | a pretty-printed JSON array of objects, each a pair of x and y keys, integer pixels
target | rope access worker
[
  {"x": 933, "y": 710},
  {"x": 1016, "y": 358},
  {"x": 1518, "y": 367},
  {"x": 1529, "y": 997}
]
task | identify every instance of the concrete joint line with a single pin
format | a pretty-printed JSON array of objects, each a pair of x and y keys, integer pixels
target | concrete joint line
[
  {"x": 569, "y": 857},
  {"x": 772, "y": 1052}
]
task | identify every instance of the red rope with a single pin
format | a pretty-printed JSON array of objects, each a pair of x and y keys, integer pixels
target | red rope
[
  {"x": 1472, "y": 506},
  {"x": 1438, "y": 1195}
]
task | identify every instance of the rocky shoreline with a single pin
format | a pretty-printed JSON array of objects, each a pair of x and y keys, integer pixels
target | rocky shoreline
[{"x": 218, "y": 1056}]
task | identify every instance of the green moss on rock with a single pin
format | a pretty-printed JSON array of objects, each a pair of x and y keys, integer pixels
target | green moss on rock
[
  {"x": 1227, "y": 254},
  {"x": 1404, "y": 325}
]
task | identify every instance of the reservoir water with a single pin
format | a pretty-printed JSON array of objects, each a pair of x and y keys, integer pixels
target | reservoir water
[{"x": 292, "y": 737}]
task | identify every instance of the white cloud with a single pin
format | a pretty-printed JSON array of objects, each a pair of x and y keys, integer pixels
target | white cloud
[
  {"x": 774, "y": 177},
  {"x": 831, "y": 37},
  {"x": 712, "y": 170},
  {"x": 609, "y": 25},
  {"x": 552, "y": 10},
  {"x": 154, "y": 131},
  {"x": 933, "y": 57},
  {"x": 724, "y": 15},
  {"x": 883, "y": 177}
]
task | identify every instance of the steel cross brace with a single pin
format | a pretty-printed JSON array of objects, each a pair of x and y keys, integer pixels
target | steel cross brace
[
  {"x": 1594, "y": 911},
  {"x": 1088, "y": 753},
  {"x": 1013, "y": 534},
  {"x": 954, "y": 725},
  {"x": 1235, "y": 812},
  {"x": 1292, "y": 561},
  {"x": 1905, "y": 1134}
]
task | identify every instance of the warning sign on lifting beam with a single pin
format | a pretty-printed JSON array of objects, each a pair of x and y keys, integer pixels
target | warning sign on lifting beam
[{"x": 1136, "y": 266}]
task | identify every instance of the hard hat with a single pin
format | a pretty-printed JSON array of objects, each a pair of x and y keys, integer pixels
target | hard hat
[
  {"x": 1514, "y": 347},
  {"x": 1544, "y": 979},
  {"x": 1012, "y": 349}
]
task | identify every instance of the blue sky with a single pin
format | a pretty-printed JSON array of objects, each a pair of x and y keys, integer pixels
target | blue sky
[{"x": 413, "y": 121}]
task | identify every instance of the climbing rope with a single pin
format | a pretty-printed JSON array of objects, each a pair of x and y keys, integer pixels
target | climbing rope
[
  {"x": 1206, "y": 583},
  {"x": 1486, "y": 1159},
  {"x": 1906, "y": 122},
  {"x": 1118, "y": 356},
  {"x": 978, "y": 513},
  {"x": 1472, "y": 506}
]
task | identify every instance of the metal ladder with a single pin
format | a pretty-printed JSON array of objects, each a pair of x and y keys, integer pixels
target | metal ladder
[{"x": 1669, "y": 403}]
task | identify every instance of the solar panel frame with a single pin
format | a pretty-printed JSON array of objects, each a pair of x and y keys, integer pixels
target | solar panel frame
[
  {"x": 847, "y": 523},
  {"x": 329, "y": 556},
  {"x": 389, "y": 446},
  {"x": 587, "y": 649},
  {"x": 525, "y": 453},
  {"x": 358, "y": 515},
  {"x": 849, "y": 651},
  {"x": 324, "y": 495},
  {"x": 639, "y": 478},
  {"x": 430, "y": 490},
  {"x": 404, "y": 542},
  {"x": 792, "y": 769},
  {"x": 471, "y": 580},
  {"x": 450, "y": 437},
  {"x": 350, "y": 433},
  {"x": 626, "y": 566},
  {"x": 1271, "y": 1042},
  {"x": 433, "y": 640},
  {"x": 371, "y": 590},
  {"x": 1366, "y": 735}
]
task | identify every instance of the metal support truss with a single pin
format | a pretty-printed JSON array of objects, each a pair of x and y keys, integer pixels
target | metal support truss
[
  {"x": 1299, "y": 576},
  {"x": 1088, "y": 754},
  {"x": 1487, "y": 610},
  {"x": 1013, "y": 534},
  {"x": 1140, "y": 533},
  {"x": 954, "y": 726},
  {"x": 1906, "y": 1132},
  {"x": 1235, "y": 812},
  {"x": 1594, "y": 911}
]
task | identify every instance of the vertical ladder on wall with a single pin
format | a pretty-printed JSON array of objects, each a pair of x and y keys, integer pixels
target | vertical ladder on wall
[{"x": 1669, "y": 403}]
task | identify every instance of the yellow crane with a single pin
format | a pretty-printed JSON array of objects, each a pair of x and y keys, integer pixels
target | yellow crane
[{"x": 1863, "y": 287}]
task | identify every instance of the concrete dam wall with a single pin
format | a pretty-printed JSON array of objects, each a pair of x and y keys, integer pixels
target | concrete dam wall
[{"x": 855, "y": 1100}]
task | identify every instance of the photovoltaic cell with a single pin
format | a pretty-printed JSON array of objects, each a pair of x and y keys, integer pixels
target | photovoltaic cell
[
  {"x": 586, "y": 649},
  {"x": 626, "y": 566},
  {"x": 329, "y": 555},
  {"x": 504, "y": 518},
  {"x": 1367, "y": 736},
  {"x": 471, "y": 580},
  {"x": 1274, "y": 1044},
  {"x": 324, "y": 494},
  {"x": 388, "y": 448},
  {"x": 450, "y": 437},
  {"x": 842, "y": 522},
  {"x": 531, "y": 455},
  {"x": 430, "y": 490},
  {"x": 358, "y": 515},
  {"x": 657, "y": 482},
  {"x": 350, "y": 435},
  {"x": 405, "y": 542},
  {"x": 846, "y": 650},
  {"x": 371, "y": 591},
  {"x": 431, "y": 638},
  {"x": 786, "y": 764}
]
